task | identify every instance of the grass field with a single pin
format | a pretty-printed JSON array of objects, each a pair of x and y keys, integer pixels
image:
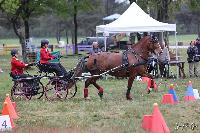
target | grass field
[
  {"x": 180, "y": 38},
  {"x": 113, "y": 114}
]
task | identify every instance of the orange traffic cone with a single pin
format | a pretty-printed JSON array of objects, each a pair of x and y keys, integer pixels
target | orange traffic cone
[
  {"x": 9, "y": 109},
  {"x": 158, "y": 122},
  {"x": 155, "y": 123},
  {"x": 146, "y": 122},
  {"x": 167, "y": 99}
]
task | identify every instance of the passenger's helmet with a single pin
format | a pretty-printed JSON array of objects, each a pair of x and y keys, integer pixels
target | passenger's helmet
[
  {"x": 43, "y": 42},
  {"x": 14, "y": 52}
]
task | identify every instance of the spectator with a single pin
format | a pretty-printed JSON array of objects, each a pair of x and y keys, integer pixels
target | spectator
[
  {"x": 163, "y": 60},
  {"x": 95, "y": 47},
  {"x": 198, "y": 45},
  {"x": 152, "y": 63},
  {"x": 193, "y": 59}
]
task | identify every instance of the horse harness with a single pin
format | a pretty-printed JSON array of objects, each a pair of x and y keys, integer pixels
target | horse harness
[{"x": 125, "y": 61}]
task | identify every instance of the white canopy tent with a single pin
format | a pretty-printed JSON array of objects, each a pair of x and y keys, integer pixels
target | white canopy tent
[{"x": 134, "y": 19}]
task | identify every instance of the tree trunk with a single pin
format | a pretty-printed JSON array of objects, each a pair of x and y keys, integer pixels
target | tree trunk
[
  {"x": 67, "y": 37},
  {"x": 198, "y": 26},
  {"x": 18, "y": 31},
  {"x": 131, "y": 1},
  {"x": 75, "y": 27},
  {"x": 58, "y": 32},
  {"x": 22, "y": 40},
  {"x": 26, "y": 27}
]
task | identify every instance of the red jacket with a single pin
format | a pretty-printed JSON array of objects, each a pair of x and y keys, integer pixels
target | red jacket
[
  {"x": 17, "y": 66},
  {"x": 45, "y": 56}
]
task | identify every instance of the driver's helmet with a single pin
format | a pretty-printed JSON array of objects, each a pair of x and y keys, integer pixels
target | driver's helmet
[
  {"x": 14, "y": 52},
  {"x": 43, "y": 42}
]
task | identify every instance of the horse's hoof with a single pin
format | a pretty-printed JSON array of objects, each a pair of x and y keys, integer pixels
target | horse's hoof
[
  {"x": 128, "y": 97},
  {"x": 100, "y": 95},
  {"x": 148, "y": 91}
]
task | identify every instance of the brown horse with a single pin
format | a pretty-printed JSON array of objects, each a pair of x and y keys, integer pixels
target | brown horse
[{"x": 130, "y": 63}]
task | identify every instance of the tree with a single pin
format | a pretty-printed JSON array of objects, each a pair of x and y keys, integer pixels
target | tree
[
  {"x": 19, "y": 13},
  {"x": 131, "y": 1},
  {"x": 194, "y": 6},
  {"x": 68, "y": 9}
]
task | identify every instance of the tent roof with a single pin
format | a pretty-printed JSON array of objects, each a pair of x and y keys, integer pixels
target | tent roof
[
  {"x": 134, "y": 19},
  {"x": 112, "y": 17}
]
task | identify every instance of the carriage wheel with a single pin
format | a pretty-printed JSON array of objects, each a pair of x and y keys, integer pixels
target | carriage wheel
[
  {"x": 55, "y": 90},
  {"x": 40, "y": 91},
  {"x": 72, "y": 90},
  {"x": 19, "y": 91}
]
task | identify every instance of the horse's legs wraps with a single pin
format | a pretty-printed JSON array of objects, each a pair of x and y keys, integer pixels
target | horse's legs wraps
[
  {"x": 92, "y": 81},
  {"x": 99, "y": 88},
  {"x": 87, "y": 83},
  {"x": 130, "y": 82}
]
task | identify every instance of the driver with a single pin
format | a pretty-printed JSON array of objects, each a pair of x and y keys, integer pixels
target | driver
[
  {"x": 17, "y": 66},
  {"x": 45, "y": 56}
]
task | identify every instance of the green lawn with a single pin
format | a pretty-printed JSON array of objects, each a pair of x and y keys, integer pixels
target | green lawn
[
  {"x": 113, "y": 114},
  {"x": 180, "y": 38}
]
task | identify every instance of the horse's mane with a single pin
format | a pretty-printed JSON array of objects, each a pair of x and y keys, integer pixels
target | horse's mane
[{"x": 142, "y": 41}]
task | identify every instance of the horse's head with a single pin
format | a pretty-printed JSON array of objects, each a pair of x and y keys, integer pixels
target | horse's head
[{"x": 154, "y": 46}]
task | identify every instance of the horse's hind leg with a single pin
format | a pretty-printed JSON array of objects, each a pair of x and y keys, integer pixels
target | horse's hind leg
[{"x": 130, "y": 83}]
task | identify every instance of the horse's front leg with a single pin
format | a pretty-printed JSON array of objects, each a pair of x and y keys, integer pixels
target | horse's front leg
[
  {"x": 128, "y": 92},
  {"x": 151, "y": 83},
  {"x": 99, "y": 88}
]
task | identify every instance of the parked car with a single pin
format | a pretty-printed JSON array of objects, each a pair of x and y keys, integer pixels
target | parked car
[{"x": 89, "y": 40}]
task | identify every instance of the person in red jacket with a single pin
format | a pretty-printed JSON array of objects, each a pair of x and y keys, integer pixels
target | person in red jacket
[
  {"x": 45, "y": 56},
  {"x": 17, "y": 66}
]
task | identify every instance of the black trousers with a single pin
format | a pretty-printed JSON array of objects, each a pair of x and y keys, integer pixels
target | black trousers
[
  {"x": 20, "y": 76},
  {"x": 57, "y": 68}
]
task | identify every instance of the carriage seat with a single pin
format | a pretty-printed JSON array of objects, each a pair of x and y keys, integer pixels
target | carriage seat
[{"x": 43, "y": 68}]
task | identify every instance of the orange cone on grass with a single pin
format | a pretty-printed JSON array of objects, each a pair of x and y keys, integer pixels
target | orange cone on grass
[
  {"x": 189, "y": 94},
  {"x": 171, "y": 97},
  {"x": 158, "y": 123},
  {"x": 150, "y": 83},
  {"x": 155, "y": 123},
  {"x": 8, "y": 108},
  {"x": 167, "y": 99}
]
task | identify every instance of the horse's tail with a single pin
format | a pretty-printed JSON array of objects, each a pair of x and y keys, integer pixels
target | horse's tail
[{"x": 80, "y": 67}]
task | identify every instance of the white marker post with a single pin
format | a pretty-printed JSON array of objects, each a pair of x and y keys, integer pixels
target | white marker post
[{"x": 5, "y": 123}]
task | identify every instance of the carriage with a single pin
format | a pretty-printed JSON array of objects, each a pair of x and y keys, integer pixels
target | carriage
[{"x": 56, "y": 86}]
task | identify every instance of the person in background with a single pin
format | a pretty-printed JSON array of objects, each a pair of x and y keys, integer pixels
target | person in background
[
  {"x": 193, "y": 59},
  {"x": 45, "y": 56},
  {"x": 1, "y": 70},
  {"x": 197, "y": 44},
  {"x": 17, "y": 66},
  {"x": 95, "y": 47},
  {"x": 163, "y": 60}
]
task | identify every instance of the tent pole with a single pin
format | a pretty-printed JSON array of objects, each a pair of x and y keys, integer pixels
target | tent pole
[{"x": 177, "y": 69}]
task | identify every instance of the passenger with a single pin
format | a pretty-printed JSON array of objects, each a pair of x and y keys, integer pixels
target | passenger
[{"x": 17, "y": 66}]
